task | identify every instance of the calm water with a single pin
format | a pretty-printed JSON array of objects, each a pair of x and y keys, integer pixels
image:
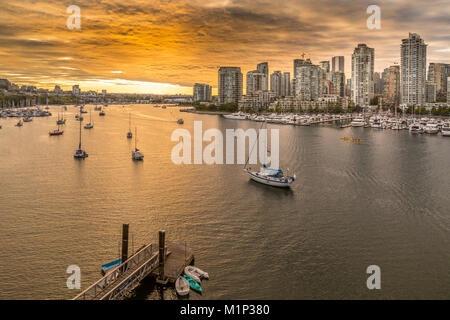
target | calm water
[{"x": 384, "y": 202}]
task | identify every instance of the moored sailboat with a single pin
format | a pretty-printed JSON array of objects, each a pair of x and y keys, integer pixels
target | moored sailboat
[
  {"x": 136, "y": 154},
  {"x": 80, "y": 153},
  {"x": 129, "y": 133}
]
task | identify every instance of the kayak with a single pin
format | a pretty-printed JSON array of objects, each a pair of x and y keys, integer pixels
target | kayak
[{"x": 193, "y": 284}]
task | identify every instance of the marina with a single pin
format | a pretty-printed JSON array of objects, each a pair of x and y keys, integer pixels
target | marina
[{"x": 352, "y": 204}]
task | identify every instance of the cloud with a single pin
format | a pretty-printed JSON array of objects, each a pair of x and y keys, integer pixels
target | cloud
[{"x": 183, "y": 42}]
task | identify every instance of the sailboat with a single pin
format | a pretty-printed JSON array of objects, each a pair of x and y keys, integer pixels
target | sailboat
[
  {"x": 56, "y": 132},
  {"x": 136, "y": 154},
  {"x": 269, "y": 176},
  {"x": 129, "y": 134},
  {"x": 61, "y": 121},
  {"x": 89, "y": 125},
  {"x": 80, "y": 153}
]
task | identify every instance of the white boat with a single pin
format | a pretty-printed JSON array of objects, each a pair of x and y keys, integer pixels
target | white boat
[
  {"x": 136, "y": 154},
  {"x": 358, "y": 122},
  {"x": 191, "y": 274},
  {"x": 260, "y": 119},
  {"x": 80, "y": 153},
  {"x": 182, "y": 286},
  {"x": 236, "y": 116},
  {"x": 200, "y": 273},
  {"x": 446, "y": 129},
  {"x": 89, "y": 125},
  {"x": 271, "y": 177},
  {"x": 431, "y": 128},
  {"x": 415, "y": 128}
]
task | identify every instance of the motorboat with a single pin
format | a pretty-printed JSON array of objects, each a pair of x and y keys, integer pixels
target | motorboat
[
  {"x": 446, "y": 129},
  {"x": 358, "y": 122},
  {"x": 19, "y": 124},
  {"x": 431, "y": 128},
  {"x": 182, "y": 286},
  {"x": 415, "y": 128},
  {"x": 180, "y": 121},
  {"x": 236, "y": 116}
]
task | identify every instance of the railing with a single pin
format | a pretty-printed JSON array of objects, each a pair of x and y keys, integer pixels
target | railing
[{"x": 121, "y": 279}]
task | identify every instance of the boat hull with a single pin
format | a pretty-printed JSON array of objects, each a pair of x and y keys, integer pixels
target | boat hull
[{"x": 269, "y": 182}]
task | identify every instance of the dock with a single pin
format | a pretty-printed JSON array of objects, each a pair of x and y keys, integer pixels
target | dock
[{"x": 120, "y": 282}]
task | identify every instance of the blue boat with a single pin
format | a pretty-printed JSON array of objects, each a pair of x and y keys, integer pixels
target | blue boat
[
  {"x": 110, "y": 265},
  {"x": 193, "y": 284}
]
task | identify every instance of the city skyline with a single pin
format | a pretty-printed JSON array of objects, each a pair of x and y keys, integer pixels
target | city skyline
[{"x": 165, "y": 47}]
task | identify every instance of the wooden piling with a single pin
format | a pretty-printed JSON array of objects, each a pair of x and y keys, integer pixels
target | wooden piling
[
  {"x": 162, "y": 255},
  {"x": 125, "y": 229}
]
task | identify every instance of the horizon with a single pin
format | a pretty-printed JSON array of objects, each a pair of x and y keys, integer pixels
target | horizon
[{"x": 165, "y": 47}]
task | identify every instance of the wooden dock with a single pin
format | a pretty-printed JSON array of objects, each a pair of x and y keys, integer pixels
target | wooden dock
[{"x": 122, "y": 280}]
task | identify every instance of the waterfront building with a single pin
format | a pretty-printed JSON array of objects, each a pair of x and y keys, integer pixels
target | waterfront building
[
  {"x": 362, "y": 74},
  {"x": 430, "y": 91},
  {"x": 337, "y": 64},
  {"x": 286, "y": 84},
  {"x": 255, "y": 81},
  {"x": 230, "y": 85},
  {"x": 259, "y": 100},
  {"x": 308, "y": 81},
  {"x": 276, "y": 82},
  {"x": 391, "y": 85},
  {"x": 264, "y": 69},
  {"x": 76, "y": 90},
  {"x": 202, "y": 92},
  {"x": 438, "y": 73},
  {"x": 338, "y": 80},
  {"x": 413, "y": 70}
]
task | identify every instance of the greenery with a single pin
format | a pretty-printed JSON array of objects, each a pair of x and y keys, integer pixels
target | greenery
[{"x": 227, "y": 107}]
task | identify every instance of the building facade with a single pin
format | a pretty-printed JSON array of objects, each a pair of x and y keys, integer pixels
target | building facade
[
  {"x": 202, "y": 92},
  {"x": 391, "y": 85},
  {"x": 337, "y": 64},
  {"x": 413, "y": 54},
  {"x": 230, "y": 85},
  {"x": 438, "y": 73},
  {"x": 362, "y": 75}
]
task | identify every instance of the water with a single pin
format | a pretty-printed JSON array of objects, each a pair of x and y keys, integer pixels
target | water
[{"x": 384, "y": 201}]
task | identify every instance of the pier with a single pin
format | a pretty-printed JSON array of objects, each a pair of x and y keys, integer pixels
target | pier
[{"x": 123, "y": 279}]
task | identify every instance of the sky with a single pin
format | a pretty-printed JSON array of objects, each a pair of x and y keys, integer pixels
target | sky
[{"x": 165, "y": 46}]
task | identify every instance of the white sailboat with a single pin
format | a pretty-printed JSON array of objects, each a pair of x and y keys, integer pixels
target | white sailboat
[
  {"x": 90, "y": 125},
  {"x": 136, "y": 154},
  {"x": 80, "y": 153}
]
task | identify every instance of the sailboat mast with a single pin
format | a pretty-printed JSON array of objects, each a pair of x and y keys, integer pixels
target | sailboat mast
[
  {"x": 135, "y": 138},
  {"x": 79, "y": 146}
]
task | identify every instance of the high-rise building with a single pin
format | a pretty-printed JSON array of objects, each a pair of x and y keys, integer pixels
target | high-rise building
[
  {"x": 391, "y": 85},
  {"x": 76, "y": 90},
  {"x": 438, "y": 73},
  {"x": 413, "y": 70},
  {"x": 377, "y": 84},
  {"x": 338, "y": 80},
  {"x": 308, "y": 81},
  {"x": 255, "y": 81},
  {"x": 448, "y": 90},
  {"x": 337, "y": 64},
  {"x": 264, "y": 68},
  {"x": 286, "y": 84},
  {"x": 276, "y": 81},
  {"x": 325, "y": 65},
  {"x": 430, "y": 91},
  {"x": 202, "y": 92},
  {"x": 230, "y": 84},
  {"x": 362, "y": 74}
]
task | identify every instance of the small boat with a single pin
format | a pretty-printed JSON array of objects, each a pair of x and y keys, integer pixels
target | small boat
[
  {"x": 180, "y": 121},
  {"x": 19, "y": 124},
  {"x": 136, "y": 154},
  {"x": 110, "y": 265},
  {"x": 431, "y": 128},
  {"x": 102, "y": 113},
  {"x": 89, "y": 125},
  {"x": 358, "y": 122},
  {"x": 415, "y": 128},
  {"x": 27, "y": 119},
  {"x": 129, "y": 134},
  {"x": 445, "y": 129},
  {"x": 164, "y": 107},
  {"x": 193, "y": 284},
  {"x": 56, "y": 132},
  {"x": 80, "y": 153},
  {"x": 271, "y": 177},
  {"x": 198, "y": 272},
  {"x": 182, "y": 286},
  {"x": 189, "y": 272}
]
